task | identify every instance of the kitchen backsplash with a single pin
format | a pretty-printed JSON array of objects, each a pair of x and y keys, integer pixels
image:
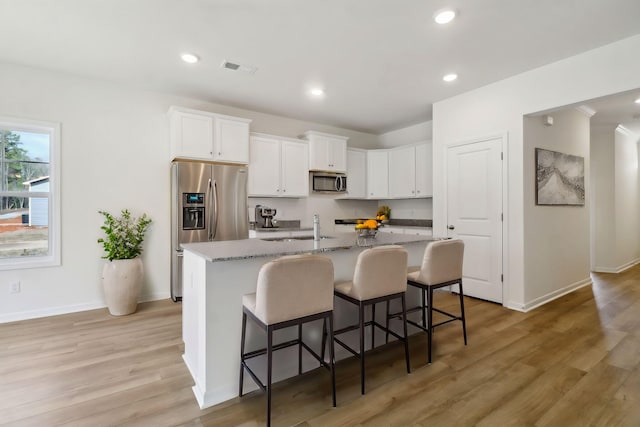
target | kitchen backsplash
[{"x": 329, "y": 208}]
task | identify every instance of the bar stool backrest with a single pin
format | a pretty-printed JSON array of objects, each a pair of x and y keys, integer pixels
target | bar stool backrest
[
  {"x": 442, "y": 262},
  {"x": 294, "y": 286},
  {"x": 380, "y": 271}
]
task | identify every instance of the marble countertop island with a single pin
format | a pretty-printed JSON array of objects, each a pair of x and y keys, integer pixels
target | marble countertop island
[{"x": 258, "y": 248}]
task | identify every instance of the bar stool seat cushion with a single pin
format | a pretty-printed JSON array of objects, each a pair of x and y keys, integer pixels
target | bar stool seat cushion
[
  {"x": 439, "y": 266},
  {"x": 291, "y": 287},
  {"x": 377, "y": 274}
]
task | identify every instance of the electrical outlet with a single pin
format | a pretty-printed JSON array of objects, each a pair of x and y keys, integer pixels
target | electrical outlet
[{"x": 15, "y": 287}]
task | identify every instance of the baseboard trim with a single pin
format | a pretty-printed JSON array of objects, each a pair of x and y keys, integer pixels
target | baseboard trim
[
  {"x": 555, "y": 294},
  {"x": 618, "y": 269},
  {"x": 50, "y": 311},
  {"x": 73, "y": 308}
]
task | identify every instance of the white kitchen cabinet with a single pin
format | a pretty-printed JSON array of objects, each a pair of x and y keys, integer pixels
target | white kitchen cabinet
[
  {"x": 191, "y": 135},
  {"x": 294, "y": 169},
  {"x": 201, "y": 135},
  {"x": 411, "y": 230},
  {"x": 231, "y": 140},
  {"x": 277, "y": 167},
  {"x": 356, "y": 174},
  {"x": 410, "y": 172},
  {"x": 402, "y": 172},
  {"x": 327, "y": 152},
  {"x": 424, "y": 170},
  {"x": 377, "y": 174}
]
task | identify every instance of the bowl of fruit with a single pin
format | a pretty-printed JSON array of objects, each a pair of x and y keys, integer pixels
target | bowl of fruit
[
  {"x": 367, "y": 228},
  {"x": 383, "y": 214}
]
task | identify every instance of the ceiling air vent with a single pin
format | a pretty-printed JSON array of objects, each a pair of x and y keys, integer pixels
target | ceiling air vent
[{"x": 238, "y": 67}]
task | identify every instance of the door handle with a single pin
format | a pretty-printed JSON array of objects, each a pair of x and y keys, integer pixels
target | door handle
[{"x": 451, "y": 227}]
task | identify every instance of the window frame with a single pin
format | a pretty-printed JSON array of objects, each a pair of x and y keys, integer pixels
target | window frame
[{"x": 53, "y": 259}]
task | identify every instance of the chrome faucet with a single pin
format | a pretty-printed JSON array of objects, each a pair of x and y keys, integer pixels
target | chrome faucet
[{"x": 316, "y": 227}]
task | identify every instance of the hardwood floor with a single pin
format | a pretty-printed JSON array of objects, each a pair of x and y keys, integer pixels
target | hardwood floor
[{"x": 572, "y": 362}]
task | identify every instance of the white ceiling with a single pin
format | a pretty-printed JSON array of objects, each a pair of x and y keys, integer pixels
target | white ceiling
[{"x": 381, "y": 62}]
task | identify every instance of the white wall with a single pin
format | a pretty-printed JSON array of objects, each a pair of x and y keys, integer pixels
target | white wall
[
  {"x": 603, "y": 238},
  {"x": 498, "y": 109},
  {"x": 556, "y": 238},
  {"x": 115, "y": 154},
  {"x": 408, "y": 135},
  {"x": 627, "y": 203},
  {"x": 616, "y": 211}
]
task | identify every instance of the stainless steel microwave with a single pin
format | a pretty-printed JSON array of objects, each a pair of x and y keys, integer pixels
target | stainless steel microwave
[{"x": 329, "y": 182}]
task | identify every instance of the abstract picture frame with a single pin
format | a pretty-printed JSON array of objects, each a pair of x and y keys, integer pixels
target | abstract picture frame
[{"x": 559, "y": 178}]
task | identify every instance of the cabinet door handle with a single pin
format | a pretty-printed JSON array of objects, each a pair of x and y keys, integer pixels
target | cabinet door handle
[{"x": 451, "y": 227}]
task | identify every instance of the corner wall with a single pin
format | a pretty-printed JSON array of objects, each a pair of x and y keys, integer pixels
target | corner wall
[
  {"x": 616, "y": 210},
  {"x": 556, "y": 238}
]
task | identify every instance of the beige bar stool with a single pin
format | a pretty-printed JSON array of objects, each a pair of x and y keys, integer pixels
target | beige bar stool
[
  {"x": 441, "y": 267},
  {"x": 380, "y": 275},
  {"x": 291, "y": 290}
]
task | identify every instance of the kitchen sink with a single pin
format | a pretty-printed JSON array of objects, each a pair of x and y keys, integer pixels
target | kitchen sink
[{"x": 293, "y": 239}]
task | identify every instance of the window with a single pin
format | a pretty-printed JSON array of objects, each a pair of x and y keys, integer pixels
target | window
[{"x": 29, "y": 194}]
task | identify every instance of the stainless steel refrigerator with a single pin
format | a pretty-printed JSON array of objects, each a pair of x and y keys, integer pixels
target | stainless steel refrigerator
[{"x": 209, "y": 203}]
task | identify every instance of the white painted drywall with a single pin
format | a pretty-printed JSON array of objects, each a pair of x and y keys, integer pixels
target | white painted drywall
[
  {"x": 415, "y": 133},
  {"x": 616, "y": 198},
  {"x": 114, "y": 155},
  {"x": 556, "y": 238},
  {"x": 499, "y": 108},
  {"x": 602, "y": 198},
  {"x": 627, "y": 203}
]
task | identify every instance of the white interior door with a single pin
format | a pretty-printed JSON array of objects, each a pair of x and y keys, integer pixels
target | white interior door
[{"x": 474, "y": 214}]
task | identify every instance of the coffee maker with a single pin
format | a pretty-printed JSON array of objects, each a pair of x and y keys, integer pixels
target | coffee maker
[{"x": 264, "y": 216}]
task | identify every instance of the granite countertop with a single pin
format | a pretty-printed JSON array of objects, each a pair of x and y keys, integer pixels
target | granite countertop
[
  {"x": 424, "y": 223},
  {"x": 257, "y": 248},
  {"x": 272, "y": 229}
]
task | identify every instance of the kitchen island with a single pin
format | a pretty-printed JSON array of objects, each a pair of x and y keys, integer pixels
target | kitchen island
[{"x": 217, "y": 274}]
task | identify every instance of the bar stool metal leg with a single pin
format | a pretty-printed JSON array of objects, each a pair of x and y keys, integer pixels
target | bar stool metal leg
[
  {"x": 406, "y": 335},
  {"x": 373, "y": 328},
  {"x": 269, "y": 371},
  {"x": 332, "y": 360},
  {"x": 429, "y": 323},
  {"x": 464, "y": 322},
  {"x": 244, "y": 330},
  {"x": 300, "y": 349},
  {"x": 361, "y": 321}
]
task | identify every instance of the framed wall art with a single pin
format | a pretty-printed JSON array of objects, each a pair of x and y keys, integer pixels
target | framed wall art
[{"x": 559, "y": 179}]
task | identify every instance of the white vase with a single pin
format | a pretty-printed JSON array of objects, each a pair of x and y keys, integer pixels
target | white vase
[{"x": 122, "y": 281}]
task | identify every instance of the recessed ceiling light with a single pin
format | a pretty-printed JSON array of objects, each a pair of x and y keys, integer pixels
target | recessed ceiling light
[
  {"x": 450, "y": 77},
  {"x": 190, "y": 58},
  {"x": 444, "y": 16},
  {"x": 637, "y": 101},
  {"x": 317, "y": 92}
]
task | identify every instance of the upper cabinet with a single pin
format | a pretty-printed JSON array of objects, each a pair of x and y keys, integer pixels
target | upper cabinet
[
  {"x": 327, "y": 152},
  {"x": 278, "y": 167},
  {"x": 377, "y": 174},
  {"x": 208, "y": 136},
  {"x": 410, "y": 172},
  {"x": 424, "y": 170},
  {"x": 356, "y": 174}
]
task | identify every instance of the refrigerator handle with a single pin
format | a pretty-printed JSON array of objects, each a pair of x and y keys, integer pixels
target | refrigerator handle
[
  {"x": 214, "y": 226},
  {"x": 210, "y": 210}
]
